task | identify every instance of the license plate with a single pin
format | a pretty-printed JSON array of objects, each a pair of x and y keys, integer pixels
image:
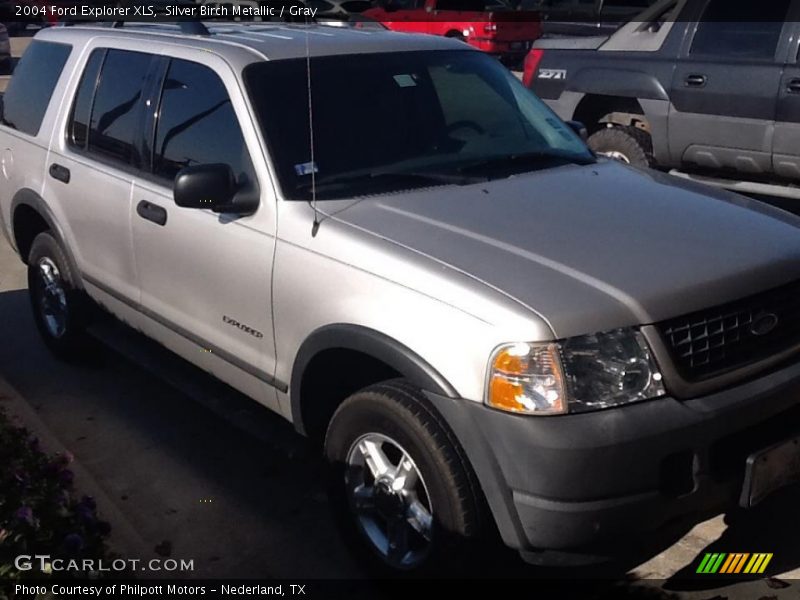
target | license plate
[{"x": 769, "y": 470}]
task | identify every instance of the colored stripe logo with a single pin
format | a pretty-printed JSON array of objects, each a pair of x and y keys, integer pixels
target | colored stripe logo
[{"x": 734, "y": 563}]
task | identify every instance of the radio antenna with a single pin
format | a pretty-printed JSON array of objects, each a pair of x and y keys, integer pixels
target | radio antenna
[{"x": 315, "y": 226}]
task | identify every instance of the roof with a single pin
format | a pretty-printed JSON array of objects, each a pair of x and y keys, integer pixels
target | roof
[{"x": 263, "y": 41}]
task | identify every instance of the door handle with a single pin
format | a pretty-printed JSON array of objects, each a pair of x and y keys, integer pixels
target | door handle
[
  {"x": 695, "y": 80},
  {"x": 59, "y": 172},
  {"x": 793, "y": 87},
  {"x": 152, "y": 212}
]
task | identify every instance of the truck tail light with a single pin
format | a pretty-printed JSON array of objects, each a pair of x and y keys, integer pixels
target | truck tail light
[{"x": 532, "y": 61}]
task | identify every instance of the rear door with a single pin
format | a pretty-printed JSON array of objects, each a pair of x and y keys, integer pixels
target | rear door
[
  {"x": 786, "y": 142},
  {"x": 91, "y": 168},
  {"x": 723, "y": 91}
]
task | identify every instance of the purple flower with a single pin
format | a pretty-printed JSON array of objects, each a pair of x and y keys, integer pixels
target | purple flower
[{"x": 24, "y": 514}]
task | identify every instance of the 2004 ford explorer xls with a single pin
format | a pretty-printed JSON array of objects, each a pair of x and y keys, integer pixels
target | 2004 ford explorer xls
[{"x": 426, "y": 271}]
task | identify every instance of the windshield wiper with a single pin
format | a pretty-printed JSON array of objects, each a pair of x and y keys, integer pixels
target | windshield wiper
[
  {"x": 534, "y": 158},
  {"x": 388, "y": 176}
]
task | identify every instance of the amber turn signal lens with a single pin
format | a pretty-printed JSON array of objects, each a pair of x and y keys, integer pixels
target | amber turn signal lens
[{"x": 527, "y": 378}]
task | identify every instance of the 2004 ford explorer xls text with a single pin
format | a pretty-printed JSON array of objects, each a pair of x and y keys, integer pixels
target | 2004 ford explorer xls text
[{"x": 486, "y": 327}]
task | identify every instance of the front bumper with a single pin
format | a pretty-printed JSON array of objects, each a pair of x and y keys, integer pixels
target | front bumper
[{"x": 593, "y": 483}]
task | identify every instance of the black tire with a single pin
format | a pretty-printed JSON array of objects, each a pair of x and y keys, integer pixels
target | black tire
[
  {"x": 400, "y": 412},
  {"x": 635, "y": 145},
  {"x": 65, "y": 335}
]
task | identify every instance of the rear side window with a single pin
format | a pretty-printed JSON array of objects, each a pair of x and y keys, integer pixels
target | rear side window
[
  {"x": 78, "y": 134},
  {"x": 740, "y": 29},
  {"x": 31, "y": 88},
  {"x": 116, "y": 117},
  {"x": 197, "y": 124}
]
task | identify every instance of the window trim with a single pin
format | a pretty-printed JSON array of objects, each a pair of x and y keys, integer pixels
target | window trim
[
  {"x": 158, "y": 96},
  {"x": 86, "y": 153},
  {"x": 147, "y": 132},
  {"x": 73, "y": 106}
]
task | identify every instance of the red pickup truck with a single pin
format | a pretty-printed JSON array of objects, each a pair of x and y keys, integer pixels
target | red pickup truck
[{"x": 489, "y": 25}]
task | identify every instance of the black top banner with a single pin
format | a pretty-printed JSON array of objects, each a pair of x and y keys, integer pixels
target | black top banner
[{"x": 601, "y": 12}]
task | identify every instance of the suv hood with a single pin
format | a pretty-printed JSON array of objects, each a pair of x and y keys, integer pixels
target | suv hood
[{"x": 592, "y": 248}]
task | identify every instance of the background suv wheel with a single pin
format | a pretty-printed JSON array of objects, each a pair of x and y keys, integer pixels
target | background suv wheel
[{"x": 625, "y": 144}]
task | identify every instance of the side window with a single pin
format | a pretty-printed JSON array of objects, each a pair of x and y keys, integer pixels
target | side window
[
  {"x": 29, "y": 91},
  {"x": 197, "y": 124},
  {"x": 740, "y": 29},
  {"x": 116, "y": 118},
  {"x": 78, "y": 128}
]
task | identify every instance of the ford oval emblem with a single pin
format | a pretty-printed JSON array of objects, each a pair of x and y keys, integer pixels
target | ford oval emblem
[{"x": 763, "y": 323}]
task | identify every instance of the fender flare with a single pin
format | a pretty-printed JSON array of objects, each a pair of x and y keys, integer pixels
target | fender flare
[
  {"x": 372, "y": 343},
  {"x": 617, "y": 82},
  {"x": 636, "y": 85},
  {"x": 27, "y": 197}
]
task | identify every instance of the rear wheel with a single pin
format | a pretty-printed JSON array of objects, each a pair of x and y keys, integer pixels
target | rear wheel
[
  {"x": 60, "y": 310},
  {"x": 626, "y": 144},
  {"x": 402, "y": 492}
]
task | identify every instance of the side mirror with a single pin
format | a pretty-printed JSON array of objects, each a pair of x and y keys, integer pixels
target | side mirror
[
  {"x": 211, "y": 186},
  {"x": 579, "y": 128}
]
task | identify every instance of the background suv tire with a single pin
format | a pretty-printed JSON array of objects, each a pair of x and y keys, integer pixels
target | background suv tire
[
  {"x": 61, "y": 310},
  {"x": 402, "y": 492},
  {"x": 626, "y": 144}
]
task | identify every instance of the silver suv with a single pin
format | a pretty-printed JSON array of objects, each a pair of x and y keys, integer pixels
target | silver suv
[{"x": 393, "y": 244}]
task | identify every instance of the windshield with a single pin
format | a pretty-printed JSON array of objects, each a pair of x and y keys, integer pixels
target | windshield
[{"x": 392, "y": 121}]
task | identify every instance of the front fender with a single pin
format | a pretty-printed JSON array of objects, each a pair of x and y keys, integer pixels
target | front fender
[
  {"x": 372, "y": 343},
  {"x": 617, "y": 82}
]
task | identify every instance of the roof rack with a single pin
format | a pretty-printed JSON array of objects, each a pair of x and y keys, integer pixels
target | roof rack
[{"x": 187, "y": 27}]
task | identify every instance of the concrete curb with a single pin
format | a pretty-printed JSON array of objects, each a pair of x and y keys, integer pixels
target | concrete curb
[{"x": 124, "y": 539}]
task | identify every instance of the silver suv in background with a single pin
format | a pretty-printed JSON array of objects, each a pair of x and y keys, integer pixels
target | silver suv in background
[{"x": 487, "y": 328}]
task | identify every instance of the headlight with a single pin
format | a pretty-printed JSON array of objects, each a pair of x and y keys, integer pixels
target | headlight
[{"x": 574, "y": 375}]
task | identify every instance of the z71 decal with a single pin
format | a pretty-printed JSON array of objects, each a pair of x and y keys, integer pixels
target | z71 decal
[{"x": 552, "y": 74}]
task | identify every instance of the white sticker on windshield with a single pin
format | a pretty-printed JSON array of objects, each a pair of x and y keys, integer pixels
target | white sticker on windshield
[
  {"x": 306, "y": 168},
  {"x": 405, "y": 80}
]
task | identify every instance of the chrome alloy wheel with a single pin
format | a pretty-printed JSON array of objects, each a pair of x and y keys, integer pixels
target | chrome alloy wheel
[
  {"x": 52, "y": 298},
  {"x": 616, "y": 155},
  {"x": 390, "y": 501}
]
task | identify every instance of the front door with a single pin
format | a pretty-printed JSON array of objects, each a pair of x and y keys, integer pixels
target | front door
[{"x": 205, "y": 278}]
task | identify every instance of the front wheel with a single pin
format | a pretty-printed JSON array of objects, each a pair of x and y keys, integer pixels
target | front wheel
[
  {"x": 401, "y": 489},
  {"x": 59, "y": 309}
]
